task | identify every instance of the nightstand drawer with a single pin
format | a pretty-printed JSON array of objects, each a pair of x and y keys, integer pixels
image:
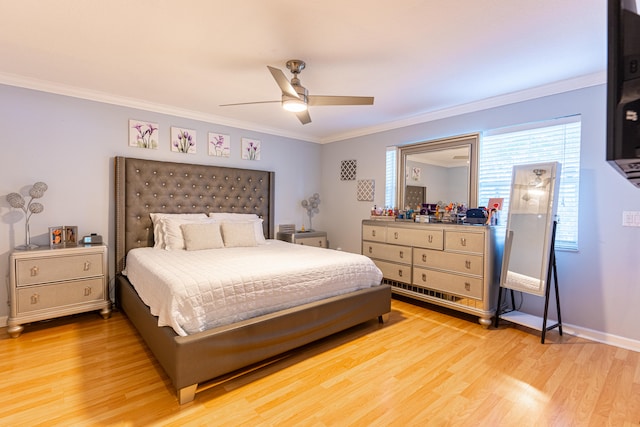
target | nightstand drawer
[
  {"x": 320, "y": 241},
  {"x": 56, "y": 268},
  {"x": 35, "y": 298}
]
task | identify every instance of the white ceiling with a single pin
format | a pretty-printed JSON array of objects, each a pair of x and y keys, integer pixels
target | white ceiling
[{"x": 419, "y": 59}]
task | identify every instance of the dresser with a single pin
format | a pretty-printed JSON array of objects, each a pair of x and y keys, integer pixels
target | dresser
[
  {"x": 451, "y": 265},
  {"x": 309, "y": 238},
  {"x": 46, "y": 283}
]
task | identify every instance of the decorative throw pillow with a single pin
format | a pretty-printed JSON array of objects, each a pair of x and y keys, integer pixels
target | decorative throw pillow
[
  {"x": 198, "y": 236},
  {"x": 238, "y": 234},
  {"x": 158, "y": 232},
  {"x": 238, "y": 217}
]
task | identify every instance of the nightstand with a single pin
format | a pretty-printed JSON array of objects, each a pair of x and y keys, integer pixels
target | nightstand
[
  {"x": 310, "y": 238},
  {"x": 47, "y": 283}
]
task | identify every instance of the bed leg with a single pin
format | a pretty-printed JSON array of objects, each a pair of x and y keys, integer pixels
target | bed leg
[
  {"x": 383, "y": 318},
  {"x": 187, "y": 394}
]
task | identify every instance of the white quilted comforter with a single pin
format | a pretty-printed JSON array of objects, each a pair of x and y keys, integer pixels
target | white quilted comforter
[{"x": 192, "y": 291}]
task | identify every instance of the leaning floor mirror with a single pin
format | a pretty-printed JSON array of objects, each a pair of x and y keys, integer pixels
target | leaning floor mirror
[{"x": 532, "y": 213}]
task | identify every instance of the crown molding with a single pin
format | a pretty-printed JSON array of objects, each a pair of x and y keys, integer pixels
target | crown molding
[{"x": 496, "y": 101}]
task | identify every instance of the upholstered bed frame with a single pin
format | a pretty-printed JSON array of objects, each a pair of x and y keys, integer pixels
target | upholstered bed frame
[{"x": 146, "y": 186}]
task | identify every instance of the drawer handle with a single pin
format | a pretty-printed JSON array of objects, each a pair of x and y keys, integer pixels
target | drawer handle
[
  {"x": 467, "y": 264},
  {"x": 320, "y": 243},
  {"x": 424, "y": 277},
  {"x": 370, "y": 250},
  {"x": 424, "y": 257},
  {"x": 467, "y": 286},
  {"x": 87, "y": 291},
  {"x": 463, "y": 241},
  {"x": 87, "y": 266},
  {"x": 395, "y": 235},
  {"x": 430, "y": 238},
  {"x": 35, "y": 299},
  {"x": 34, "y": 271},
  {"x": 400, "y": 273},
  {"x": 373, "y": 233},
  {"x": 401, "y": 254}
]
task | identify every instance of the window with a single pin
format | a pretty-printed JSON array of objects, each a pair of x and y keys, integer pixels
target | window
[
  {"x": 556, "y": 140},
  {"x": 390, "y": 182}
]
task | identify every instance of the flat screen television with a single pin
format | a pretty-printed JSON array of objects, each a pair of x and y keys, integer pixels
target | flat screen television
[{"x": 623, "y": 89}]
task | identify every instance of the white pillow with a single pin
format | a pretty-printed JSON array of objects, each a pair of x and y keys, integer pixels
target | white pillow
[
  {"x": 198, "y": 236},
  {"x": 237, "y": 234},
  {"x": 158, "y": 232},
  {"x": 238, "y": 217},
  {"x": 173, "y": 237}
]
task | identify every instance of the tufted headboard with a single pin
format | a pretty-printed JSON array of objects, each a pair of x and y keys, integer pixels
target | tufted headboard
[{"x": 150, "y": 186}]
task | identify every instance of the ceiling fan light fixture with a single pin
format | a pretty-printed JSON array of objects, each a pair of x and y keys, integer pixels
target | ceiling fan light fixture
[{"x": 295, "y": 105}]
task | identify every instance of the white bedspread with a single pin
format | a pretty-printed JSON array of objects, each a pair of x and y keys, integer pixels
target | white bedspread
[{"x": 192, "y": 291}]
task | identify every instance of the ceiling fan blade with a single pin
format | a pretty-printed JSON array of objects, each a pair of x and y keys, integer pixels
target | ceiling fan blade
[
  {"x": 339, "y": 100},
  {"x": 283, "y": 82},
  {"x": 304, "y": 117},
  {"x": 248, "y": 103}
]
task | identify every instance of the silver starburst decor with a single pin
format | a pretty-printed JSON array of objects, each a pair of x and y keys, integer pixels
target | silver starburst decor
[{"x": 17, "y": 201}]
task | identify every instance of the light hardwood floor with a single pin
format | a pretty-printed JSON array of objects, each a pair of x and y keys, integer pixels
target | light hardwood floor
[{"x": 425, "y": 367}]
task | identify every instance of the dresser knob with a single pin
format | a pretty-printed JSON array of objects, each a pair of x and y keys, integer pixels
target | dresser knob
[
  {"x": 430, "y": 238},
  {"x": 87, "y": 291},
  {"x": 400, "y": 273},
  {"x": 424, "y": 278},
  {"x": 370, "y": 250},
  {"x": 373, "y": 233},
  {"x": 87, "y": 266},
  {"x": 467, "y": 286},
  {"x": 35, "y": 298},
  {"x": 463, "y": 241},
  {"x": 424, "y": 257},
  {"x": 34, "y": 271},
  {"x": 467, "y": 264},
  {"x": 401, "y": 254},
  {"x": 395, "y": 235}
]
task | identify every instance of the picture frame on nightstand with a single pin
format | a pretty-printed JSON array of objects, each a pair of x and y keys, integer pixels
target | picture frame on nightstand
[
  {"x": 64, "y": 236},
  {"x": 56, "y": 237}
]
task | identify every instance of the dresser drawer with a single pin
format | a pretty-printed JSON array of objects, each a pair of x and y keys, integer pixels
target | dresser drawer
[
  {"x": 395, "y": 253},
  {"x": 33, "y": 298},
  {"x": 458, "y": 262},
  {"x": 400, "y": 236},
  {"x": 463, "y": 241},
  {"x": 429, "y": 238},
  {"x": 375, "y": 233},
  {"x": 396, "y": 272},
  {"x": 56, "y": 268},
  {"x": 470, "y": 287}
]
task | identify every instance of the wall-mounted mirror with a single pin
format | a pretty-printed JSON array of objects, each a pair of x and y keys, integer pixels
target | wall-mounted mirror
[{"x": 444, "y": 170}]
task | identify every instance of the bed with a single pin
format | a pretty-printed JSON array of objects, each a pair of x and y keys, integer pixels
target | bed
[{"x": 145, "y": 186}]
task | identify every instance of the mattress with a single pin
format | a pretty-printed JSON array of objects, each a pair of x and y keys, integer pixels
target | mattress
[{"x": 192, "y": 291}]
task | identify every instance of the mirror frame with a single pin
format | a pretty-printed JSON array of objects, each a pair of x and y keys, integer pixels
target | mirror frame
[{"x": 470, "y": 140}]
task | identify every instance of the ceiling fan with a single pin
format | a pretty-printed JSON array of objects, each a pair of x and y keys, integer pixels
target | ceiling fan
[{"x": 295, "y": 97}]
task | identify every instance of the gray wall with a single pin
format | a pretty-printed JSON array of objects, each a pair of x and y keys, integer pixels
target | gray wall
[{"x": 600, "y": 283}]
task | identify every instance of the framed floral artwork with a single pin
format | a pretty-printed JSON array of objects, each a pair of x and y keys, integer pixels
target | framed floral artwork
[
  {"x": 183, "y": 140},
  {"x": 219, "y": 144},
  {"x": 143, "y": 134},
  {"x": 250, "y": 149}
]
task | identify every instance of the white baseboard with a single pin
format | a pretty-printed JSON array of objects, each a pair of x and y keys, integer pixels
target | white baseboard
[{"x": 601, "y": 337}]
